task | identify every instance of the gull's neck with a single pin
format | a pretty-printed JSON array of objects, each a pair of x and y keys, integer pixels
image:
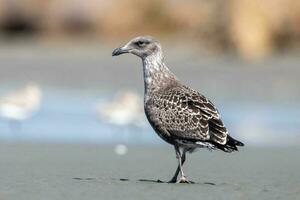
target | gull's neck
[{"x": 156, "y": 74}]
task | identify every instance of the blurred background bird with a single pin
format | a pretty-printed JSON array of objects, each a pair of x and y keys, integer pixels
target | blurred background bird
[
  {"x": 124, "y": 114},
  {"x": 125, "y": 109},
  {"x": 21, "y": 104}
]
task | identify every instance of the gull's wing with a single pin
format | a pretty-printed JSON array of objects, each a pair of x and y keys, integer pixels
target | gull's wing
[{"x": 188, "y": 115}]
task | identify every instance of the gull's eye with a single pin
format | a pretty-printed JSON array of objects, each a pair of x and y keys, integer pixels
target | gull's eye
[{"x": 141, "y": 43}]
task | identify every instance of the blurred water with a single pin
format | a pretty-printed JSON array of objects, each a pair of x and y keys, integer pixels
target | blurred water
[{"x": 70, "y": 117}]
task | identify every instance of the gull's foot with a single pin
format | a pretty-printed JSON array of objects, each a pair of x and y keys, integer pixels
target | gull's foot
[{"x": 183, "y": 179}]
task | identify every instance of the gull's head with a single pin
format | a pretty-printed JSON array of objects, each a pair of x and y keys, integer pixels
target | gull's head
[{"x": 141, "y": 46}]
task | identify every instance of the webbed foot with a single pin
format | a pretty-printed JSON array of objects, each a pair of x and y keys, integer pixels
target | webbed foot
[{"x": 183, "y": 179}]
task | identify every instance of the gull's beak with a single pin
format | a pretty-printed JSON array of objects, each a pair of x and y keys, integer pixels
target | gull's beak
[{"x": 119, "y": 51}]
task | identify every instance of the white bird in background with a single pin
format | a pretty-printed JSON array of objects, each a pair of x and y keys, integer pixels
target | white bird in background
[
  {"x": 21, "y": 104},
  {"x": 125, "y": 109}
]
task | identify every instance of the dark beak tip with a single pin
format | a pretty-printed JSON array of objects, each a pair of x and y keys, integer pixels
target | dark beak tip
[
  {"x": 116, "y": 52},
  {"x": 119, "y": 51}
]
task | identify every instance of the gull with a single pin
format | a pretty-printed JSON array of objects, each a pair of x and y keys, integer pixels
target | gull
[
  {"x": 21, "y": 104},
  {"x": 124, "y": 109},
  {"x": 180, "y": 115}
]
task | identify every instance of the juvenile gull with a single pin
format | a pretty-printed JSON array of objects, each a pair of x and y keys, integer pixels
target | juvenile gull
[
  {"x": 21, "y": 104},
  {"x": 124, "y": 109},
  {"x": 179, "y": 115}
]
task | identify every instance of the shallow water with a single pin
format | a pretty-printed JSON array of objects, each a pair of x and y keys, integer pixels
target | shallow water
[{"x": 71, "y": 117}]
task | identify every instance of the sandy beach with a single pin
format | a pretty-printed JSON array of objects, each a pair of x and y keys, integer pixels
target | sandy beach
[{"x": 74, "y": 171}]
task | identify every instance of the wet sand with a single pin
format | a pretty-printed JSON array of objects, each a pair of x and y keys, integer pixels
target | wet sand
[{"x": 73, "y": 171}]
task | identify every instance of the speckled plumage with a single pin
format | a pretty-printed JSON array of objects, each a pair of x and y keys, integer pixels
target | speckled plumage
[
  {"x": 184, "y": 114},
  {"x": 180, "y": 115}
]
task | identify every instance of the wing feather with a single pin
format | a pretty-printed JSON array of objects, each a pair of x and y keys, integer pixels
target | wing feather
[{"x": 186, "y": 114}]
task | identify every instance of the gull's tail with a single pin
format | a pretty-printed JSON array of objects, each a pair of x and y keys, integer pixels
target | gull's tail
[{"x": 230, "y": 146}]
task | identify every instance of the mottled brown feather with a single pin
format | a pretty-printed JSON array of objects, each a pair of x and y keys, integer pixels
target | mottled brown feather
[{"x": 185, "y": 114}]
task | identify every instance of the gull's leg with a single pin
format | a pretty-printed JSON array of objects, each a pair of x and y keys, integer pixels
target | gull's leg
[
  {"x": 183, "y": 178},
  {"x": 178, "y": 156}
]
